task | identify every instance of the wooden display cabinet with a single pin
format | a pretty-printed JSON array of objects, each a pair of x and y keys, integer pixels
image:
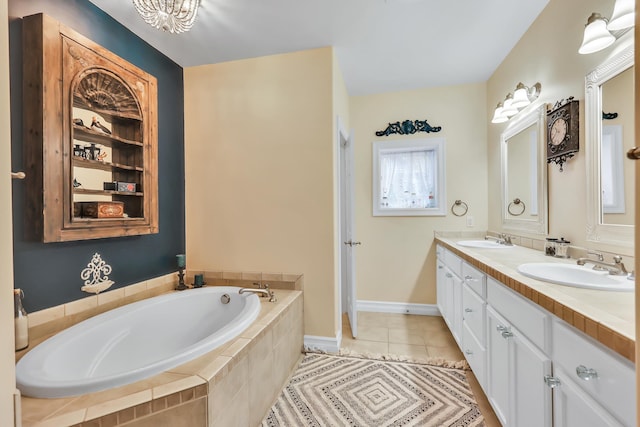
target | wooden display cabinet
[{"x": 90, "y": 122}]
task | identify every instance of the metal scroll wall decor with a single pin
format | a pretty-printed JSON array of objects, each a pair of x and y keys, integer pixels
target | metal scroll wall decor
[{"x": 408, "y": 127}]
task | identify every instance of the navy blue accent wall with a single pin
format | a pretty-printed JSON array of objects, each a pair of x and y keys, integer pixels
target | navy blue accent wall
[{"x": 49, "y": 273}]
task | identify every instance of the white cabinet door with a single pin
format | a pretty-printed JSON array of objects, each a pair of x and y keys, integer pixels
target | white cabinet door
[
  {"x": 441, "y": 287},
  {"x": 451, "y": 309},
  {"x": 515, "y": 377},
  {"x": 497, "y": 366},
  {"x": 456, "y": 331},
  {"x": 530, "y": 396},
  {"x": 574, "y": 408}
]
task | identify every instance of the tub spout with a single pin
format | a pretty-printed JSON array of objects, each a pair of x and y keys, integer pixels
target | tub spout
[{"x": 262, "y": 292}]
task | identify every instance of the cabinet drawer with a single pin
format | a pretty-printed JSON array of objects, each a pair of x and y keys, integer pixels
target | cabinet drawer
[
  {"x": 614, "y": 386},
  {"x": 454, "y": 262},
  {"x": 439, "y": 252},
  {"x": 475, "y": 278},
  {"x": 473, "y": 313},
  {"x": 532, "y": 321},
  {"x": 475, "y": 355}
]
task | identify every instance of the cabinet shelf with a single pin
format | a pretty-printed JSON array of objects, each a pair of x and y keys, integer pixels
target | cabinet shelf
[
  {"x": 80, "y": 220},
  {"x": 106, "y": 192},
  {"x": 69, "y": 79},
  {"x": 107, "y": 114},
  {"x": 106, "y": 166},
  {"x": 88, "y": 135}
]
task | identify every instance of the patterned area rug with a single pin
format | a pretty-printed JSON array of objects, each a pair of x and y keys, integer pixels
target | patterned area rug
[{"x": 331, "y": 390}]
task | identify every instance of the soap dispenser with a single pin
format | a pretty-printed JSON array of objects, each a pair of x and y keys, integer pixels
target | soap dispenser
[{"x": 21, "y": 321}]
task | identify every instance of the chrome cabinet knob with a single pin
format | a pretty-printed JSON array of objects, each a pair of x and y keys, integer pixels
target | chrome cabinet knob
[
  {"x": 500, "y": 328},
  {"x": 585, "y": 373},
  {"x": 448, "y": 275},
  {"x": 468, "y": 310},
  {"x": 507, "y": 334},
  {"x": 551, "y": 381},
  {"x": 469, "y": 352}
]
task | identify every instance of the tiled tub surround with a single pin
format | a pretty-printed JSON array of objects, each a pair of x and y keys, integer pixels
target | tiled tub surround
[
  {"x": 606, "y": 316},
  {"x": 232, "y": 385}
]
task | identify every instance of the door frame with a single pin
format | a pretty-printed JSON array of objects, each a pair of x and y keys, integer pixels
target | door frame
[{"x": 347, "y": 288}]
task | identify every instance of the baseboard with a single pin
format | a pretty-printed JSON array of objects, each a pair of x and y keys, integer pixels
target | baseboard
[
  {"x": 398, "y": 307},
  {"x": 328, "y": 344}
]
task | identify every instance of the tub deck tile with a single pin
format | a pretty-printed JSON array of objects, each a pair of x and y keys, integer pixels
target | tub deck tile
[
  {"x": 185, "y": 383},
  {"x": 163, "y": 390}
]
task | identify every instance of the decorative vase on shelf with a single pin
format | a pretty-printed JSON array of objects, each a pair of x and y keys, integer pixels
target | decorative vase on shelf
[{"x": 21, "y": 321}]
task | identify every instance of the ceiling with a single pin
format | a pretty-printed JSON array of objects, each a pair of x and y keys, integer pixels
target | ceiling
[{"x": 381, "y": 45}]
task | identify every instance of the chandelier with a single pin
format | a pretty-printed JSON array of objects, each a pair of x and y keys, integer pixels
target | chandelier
[{"x": 174, "y": 16}]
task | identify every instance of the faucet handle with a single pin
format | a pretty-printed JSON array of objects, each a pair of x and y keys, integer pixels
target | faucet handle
[
  {"x": 618, "y": 261},
  {"x": 598, "y": 254},
  {"x": 257, "y": 285}
]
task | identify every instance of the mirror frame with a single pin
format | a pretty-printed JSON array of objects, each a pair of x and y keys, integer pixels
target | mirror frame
[
  {"x": 536, "y": 116},
  {"x": 615, "y": 234}
]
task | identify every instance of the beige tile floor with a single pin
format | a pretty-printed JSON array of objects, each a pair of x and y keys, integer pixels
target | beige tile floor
[{"x": 414, "y": 336}]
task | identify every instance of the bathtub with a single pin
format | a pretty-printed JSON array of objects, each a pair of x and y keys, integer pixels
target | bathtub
[{"x": 135, "y": 341}]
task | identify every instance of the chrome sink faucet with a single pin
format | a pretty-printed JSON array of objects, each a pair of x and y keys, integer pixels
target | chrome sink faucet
[
  {"x": 616, "y": 268},
  {"x": 504, "y": 239}
]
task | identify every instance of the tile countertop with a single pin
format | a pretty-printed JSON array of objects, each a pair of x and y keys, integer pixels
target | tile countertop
[{"x": 607, "y": 316}]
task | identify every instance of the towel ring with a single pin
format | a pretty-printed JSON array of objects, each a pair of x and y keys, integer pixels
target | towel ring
[
  {"x": 459, "y": 203},
  {"x": 517, "y": 202}
]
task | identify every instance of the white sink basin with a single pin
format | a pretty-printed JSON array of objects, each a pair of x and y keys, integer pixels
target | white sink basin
[
  {"x": 486, "y": 244},
  {"x": 576, "y": 275}
]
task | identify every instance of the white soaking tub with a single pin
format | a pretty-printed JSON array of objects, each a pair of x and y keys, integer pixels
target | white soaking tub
[{"x": 135, "y": 341}]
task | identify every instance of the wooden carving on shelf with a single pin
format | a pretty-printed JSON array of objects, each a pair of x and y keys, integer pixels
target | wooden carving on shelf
[{"x": 90, "y": 128}]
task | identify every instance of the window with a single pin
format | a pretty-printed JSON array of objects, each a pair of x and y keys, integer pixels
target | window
[{"x": 408, "y": 178}]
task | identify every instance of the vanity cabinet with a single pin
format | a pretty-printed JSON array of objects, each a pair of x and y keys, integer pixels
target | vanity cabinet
[
  {"x": 90, "y": 138},
  {"x": 535, "y": 368}
]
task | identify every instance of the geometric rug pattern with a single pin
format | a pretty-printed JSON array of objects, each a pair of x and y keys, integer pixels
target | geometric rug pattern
[{"x": 330, "y": 390}]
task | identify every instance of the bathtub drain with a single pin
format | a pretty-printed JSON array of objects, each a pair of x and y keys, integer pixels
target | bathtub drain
[{"x": 225, "y": 298}]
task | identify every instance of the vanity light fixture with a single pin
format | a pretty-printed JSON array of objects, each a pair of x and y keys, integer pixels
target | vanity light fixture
[
  {"x": 513, "y": 103},
  {"x": 596, "y": 35},
  {"x": 498, "y": 117},
  {"x": 508, "y": 109},
  {"x": 598, "y": 31},
  {"x": 174, "y": 16},
  {"x": 623, "y": 16}
]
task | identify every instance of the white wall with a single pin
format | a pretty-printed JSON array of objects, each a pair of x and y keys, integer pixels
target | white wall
[
  {"x": 396, "y": 262},
  {"x": 260, "y": 176}
]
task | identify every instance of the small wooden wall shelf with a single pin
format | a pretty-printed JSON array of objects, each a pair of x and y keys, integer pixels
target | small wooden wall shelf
[{"x": 89, "y": 117}]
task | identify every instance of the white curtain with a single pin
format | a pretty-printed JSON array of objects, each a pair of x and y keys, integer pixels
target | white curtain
[{"x": 408, "y": 179}]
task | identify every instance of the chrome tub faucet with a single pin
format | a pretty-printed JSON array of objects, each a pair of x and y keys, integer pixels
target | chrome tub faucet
[{"x": 263, "y": 293}]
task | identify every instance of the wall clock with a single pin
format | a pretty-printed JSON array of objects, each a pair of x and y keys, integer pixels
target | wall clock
[{"x": 563, "y": 131}]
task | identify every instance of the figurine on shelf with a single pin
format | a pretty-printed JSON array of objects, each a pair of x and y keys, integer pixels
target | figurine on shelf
[
  {"x": 96, "y": 124},
  {"x": 101, "y": 156},
  {"x": 76, "y": 183},
  {"x": 79, "y": 123}
]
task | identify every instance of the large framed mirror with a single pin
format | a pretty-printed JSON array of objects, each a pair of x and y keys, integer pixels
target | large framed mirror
[
  {"x": 524, "y": 174},
  {"x": 609, "y": 134}
]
